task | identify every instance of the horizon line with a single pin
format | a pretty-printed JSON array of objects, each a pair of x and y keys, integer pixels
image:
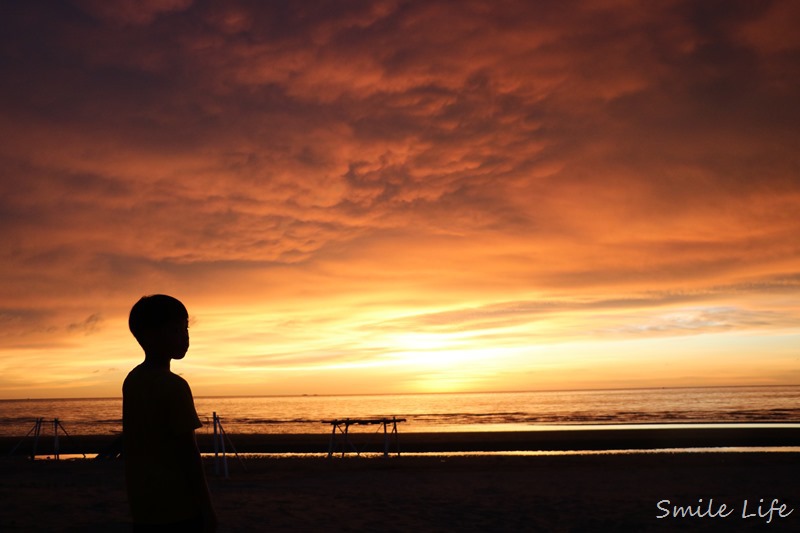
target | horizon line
[{"x": 443, "y": 393}]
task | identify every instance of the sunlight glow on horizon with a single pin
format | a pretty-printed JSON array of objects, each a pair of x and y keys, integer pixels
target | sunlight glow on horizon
[{"x": 449, "y": 362}]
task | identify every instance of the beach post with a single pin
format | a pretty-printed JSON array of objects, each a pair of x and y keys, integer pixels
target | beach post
[
  {"x": 216, "y": 445},
  {"x": 38, "y": 428},
  {"x": 396, "y": 435},
  {"x": 55, "y": 439},
  {"x": 386, "y": 434},
  {"x": 333, "y": 438},
  {"x": 235, "y": 451},
  {"x": 385, "y": 441},
  {"x": 219, "y": 445},
  {"x": 222, "y": 446}
]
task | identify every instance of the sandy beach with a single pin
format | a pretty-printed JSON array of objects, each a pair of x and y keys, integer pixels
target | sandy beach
[{"x": 437, "y": 492}]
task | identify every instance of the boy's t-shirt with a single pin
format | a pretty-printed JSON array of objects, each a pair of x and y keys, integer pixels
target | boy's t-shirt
[{"x": 157, "y": 406}]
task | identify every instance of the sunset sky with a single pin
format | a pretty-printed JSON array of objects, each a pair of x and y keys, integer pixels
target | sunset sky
[{"x": 402, "y": 196}]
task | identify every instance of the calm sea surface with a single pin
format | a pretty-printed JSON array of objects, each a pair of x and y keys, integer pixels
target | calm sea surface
[{"x": 506, "y": 411}]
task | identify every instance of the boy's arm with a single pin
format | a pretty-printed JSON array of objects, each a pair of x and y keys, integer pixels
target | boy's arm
[{"x": 197, "y": 479}]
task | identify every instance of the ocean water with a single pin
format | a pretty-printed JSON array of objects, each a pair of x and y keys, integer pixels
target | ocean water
[{"x": 502, "y": 411}]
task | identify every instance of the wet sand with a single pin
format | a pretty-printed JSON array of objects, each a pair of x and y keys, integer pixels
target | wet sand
[
  {"x": 431, "y": 493},
  {"x": 371, "y": 441}
]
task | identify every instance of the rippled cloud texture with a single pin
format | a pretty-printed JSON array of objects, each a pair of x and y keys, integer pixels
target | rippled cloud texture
[{"x": 402, "y": 195}]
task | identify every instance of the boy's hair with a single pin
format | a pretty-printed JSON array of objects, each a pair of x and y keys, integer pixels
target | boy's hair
[{"x": 155, "y": 311}]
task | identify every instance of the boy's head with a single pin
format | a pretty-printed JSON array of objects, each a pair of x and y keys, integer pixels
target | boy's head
[{"x": 160, "y": 324}]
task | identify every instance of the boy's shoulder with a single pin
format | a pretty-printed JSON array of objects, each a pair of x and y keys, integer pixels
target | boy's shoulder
[{"x": 143, "y": 375}]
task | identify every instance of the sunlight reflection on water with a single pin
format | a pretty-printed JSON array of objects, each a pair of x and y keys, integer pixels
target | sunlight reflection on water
[
  {"x": 444, "y": 455},
  {"x": 528, "y": 453}
]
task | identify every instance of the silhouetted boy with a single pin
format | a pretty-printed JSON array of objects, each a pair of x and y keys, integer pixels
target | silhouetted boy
[{"x": 166, "y": 484}]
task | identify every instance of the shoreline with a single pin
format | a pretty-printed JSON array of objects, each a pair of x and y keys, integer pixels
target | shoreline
[{"x": 444, "y": 442}]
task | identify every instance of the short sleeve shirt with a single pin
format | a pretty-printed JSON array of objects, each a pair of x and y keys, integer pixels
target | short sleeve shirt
[{"x": 157, "y": 407}]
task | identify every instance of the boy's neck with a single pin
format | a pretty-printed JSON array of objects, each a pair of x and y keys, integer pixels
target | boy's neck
[{"x": 155, "y": 361}]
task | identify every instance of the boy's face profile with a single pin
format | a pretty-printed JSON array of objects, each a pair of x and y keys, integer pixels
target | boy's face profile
[
  {"x": 174, "y": 338},
  {"x": 168, "y": 341}
]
